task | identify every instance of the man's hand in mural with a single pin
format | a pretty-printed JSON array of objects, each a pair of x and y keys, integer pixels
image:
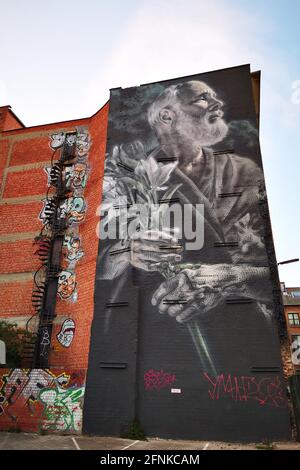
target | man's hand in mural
[
  {"x": 151, "y": 248},
  {"x": 199, "y": 289},
  {"x": 191, "y": 300}
]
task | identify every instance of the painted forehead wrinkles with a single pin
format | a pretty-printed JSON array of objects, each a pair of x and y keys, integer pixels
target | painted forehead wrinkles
[{"x": 191, "y": 90}]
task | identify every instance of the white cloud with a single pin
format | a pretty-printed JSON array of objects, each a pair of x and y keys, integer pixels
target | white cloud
[
  {"x": 166, "y": 40},
  {"x": 176, "y": 38}
]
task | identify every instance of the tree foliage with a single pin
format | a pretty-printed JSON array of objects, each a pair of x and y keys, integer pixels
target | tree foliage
[{"x": 15, "y": 339}]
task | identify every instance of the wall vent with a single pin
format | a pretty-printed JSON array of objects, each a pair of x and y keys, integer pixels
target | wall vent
[
  {"x": 222, "y": 152},
  {"x": 225, "y": 244},
  {"x": 116, "y": 304},
  {"x": 232, "y": 194},
  {"x": 237, "y": 300},
  {"x": 113, "y": 365},
  {"x": 122, "y": 250}
]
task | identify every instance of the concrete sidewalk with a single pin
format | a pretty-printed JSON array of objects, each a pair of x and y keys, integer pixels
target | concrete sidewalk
[{"x": 22, "y": 441}]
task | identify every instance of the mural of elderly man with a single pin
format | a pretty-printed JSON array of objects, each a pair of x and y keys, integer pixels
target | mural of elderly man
[
  {"x": 187, "y": 119},
  {"x": 200, "y": 313}
]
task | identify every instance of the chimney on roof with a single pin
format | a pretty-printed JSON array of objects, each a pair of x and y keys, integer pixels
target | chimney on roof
[{"x": 8, "y": 120}]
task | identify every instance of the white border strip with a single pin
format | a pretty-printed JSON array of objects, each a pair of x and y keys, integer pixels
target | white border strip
[
  {"x": 75, "y": 443},
  {"x": 132, "y": 444}
]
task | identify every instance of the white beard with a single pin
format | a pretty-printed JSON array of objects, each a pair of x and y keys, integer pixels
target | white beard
[
  {"x": 213, "y": 132},
  {"x": 200, "y": 133}
]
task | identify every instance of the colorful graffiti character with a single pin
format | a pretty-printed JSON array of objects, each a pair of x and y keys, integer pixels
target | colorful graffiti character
[
  {"x": 57, "y": 140},
  {"x": 70, "y": 139},
  {"x": 76, "y": 176},
  {"x": 83, "y": 144},
  {"x": 67, "y": 285},
  {"x": 73, "y": 209},
  {"x": 44, "y": 395},
  {"x": 73, "y": 250},
  {"x": 76, "y": 209},
  {"x": 63, "y": 409},
  {"x": 67, "y": 332}
]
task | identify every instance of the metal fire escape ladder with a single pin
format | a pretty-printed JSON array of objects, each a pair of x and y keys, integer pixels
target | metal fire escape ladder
[{"x": 50, "y": 243}]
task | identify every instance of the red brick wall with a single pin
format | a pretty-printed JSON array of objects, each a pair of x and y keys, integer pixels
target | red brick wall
[
  {"x": 4, "y": 144},
  {"x": 23, "y": 155},
  {"x": 31, "y": 149},
  {"x": 8, "y": 120},
  {"x": 20, "y": 255},
  {"x": 82, "y": 310},
  {"x": 19, "y": 217},
  {"x": 25, "y": 183},
  {"x": 16, "y": 298}
]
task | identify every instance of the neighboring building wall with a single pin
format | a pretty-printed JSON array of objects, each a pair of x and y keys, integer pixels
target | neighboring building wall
[
  {"x": 186, "y": 340},
  {"x": 292, "y": 316},
  {"x": 24, "y": 154}
]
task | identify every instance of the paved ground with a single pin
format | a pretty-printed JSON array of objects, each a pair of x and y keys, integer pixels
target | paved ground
[{"x": 22, "y": 441}]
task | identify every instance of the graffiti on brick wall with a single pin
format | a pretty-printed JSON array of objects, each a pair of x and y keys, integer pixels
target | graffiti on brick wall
[
  {"x": 38, "y": 399},
  {"x": 158, "y": 379},
  {"x": 45, "y": 342},
  {"x": 70, "y": 211},
  {"x": 264, "y": 390},
  {"x": 67, "y": 332},
  {"x": 62, "y": 410},
  {"x": 67, "y": 286},
  {"x": 73, "y": 211},
  {"x": 72, "y": 247},
  {"x": 76, "y": 176}
]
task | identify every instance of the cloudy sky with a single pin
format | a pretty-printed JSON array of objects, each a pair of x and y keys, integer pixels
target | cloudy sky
[{"x": 60, "y": 57}]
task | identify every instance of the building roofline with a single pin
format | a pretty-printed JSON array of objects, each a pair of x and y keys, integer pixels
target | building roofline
[
  {"x": 8, "y": 107},
  {"x": 57, "y": 124},
  {"x": 184, "y": 77}
]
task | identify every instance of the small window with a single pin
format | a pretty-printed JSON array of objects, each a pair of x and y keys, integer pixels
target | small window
[{"x": 294, "y": 318}]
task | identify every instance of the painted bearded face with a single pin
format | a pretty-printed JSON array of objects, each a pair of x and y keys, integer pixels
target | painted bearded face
[{"x": 199, "y": 115}]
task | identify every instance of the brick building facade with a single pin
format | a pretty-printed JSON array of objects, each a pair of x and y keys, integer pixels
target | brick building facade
[
  {"x": 24, "y": 154},
  {"x": 291, "y": 301},
  {"x": 99, "y": 337}
]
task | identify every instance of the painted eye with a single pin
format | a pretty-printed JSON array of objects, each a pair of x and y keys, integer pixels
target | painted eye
[{"x": 202, "y": 97}]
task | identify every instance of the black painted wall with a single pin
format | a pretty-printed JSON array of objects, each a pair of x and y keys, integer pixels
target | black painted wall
[{"x": 186, "y": 341}]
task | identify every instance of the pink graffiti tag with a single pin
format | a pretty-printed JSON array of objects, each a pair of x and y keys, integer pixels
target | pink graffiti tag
[
  {"x": 266, "y": 390},
  {"x": 156, "y": 380}
]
